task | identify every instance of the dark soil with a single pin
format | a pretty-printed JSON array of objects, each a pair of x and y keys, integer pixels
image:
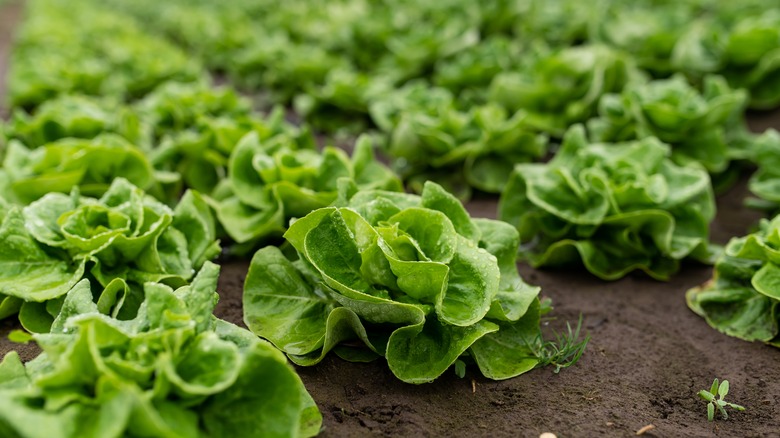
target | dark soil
[{"x": 648, "y": 357}]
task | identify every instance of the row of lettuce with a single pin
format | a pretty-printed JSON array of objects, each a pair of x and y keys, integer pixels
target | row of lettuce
[
  {"x": 413, "y": 277},
  {"x": 460, "y": 100},
  {"x": 259, "y": 172},
  {"x": 305, "y": 48},
  {"x": 104, "y": 141},
  {"x": 480, "y": 86},
  {"x": 109, "y": 289}
]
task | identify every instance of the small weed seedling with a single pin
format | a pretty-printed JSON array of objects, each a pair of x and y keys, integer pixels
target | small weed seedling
[
  {"x": 720, "y": 392},
  {"x": 562, "y": 352}
]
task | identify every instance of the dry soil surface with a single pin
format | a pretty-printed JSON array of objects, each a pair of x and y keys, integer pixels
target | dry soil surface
[{"x": 648, "y": 357}]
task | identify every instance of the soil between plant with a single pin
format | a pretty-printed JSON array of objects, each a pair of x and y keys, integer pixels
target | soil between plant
[{"x": 647, "y": 358}]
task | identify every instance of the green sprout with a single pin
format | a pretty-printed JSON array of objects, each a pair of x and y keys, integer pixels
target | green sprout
[
  {"x": 720, "y": 392},
  {"x": 562, "y": 352},
  {"x": 460, "y": 368}
]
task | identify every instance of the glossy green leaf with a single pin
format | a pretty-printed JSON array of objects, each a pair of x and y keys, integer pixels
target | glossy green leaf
[
  {"x": 281, "y": 307},
  {"x": 508, "y": 352},
  {"x": 32, "y": 271},
  {"x": 172, "y": 371},
  {"x": 410, "y": 278},
  {"x": 742, "y": 299},
  {"x": 700, "y": 127},
  {"x": 614, "y": 207},
  {"x": 123, "y": 235},
  {"x": 276, "y": 179},
  {"x": 420, "y": 353}
]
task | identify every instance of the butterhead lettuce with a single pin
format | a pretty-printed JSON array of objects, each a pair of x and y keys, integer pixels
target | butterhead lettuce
[
  {"x": 563, "y": 86},
  {"x": 430, "y": 138},
  {"x": 174, "y": 371},
  {"x": 743, "y": 297},
  {"x": 411, "y": 278},
  {"x": 765, "y": 182},
  {"x": 279, "y": 176},
  {"x": 121, "y": 240},
  {"x": 59, "y": 167},
  {"x": 701, "y": 126},
  {"x": 613, "y": 207}
]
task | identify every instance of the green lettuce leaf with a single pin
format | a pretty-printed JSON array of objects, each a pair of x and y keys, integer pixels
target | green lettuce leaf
[
  {"x": 31, "y": 271},
  {"x": 562, "y": 87},
  {"x": 194, "y": 127},
  {"x": 73, "y": 116},
  {"x": 124, "y": 235},
  {"x": 468, "y": 73},
  {"x": 743, "y": 297},
  {"x": 740, "y": 42},
  {"x": 411, "y": 278},
  {"x": 650, "y": 32},
  {"x": 765, "y": 182},
  {"x": 703, "y": 127},
  {"x": 753, "y": 58},
  {"x": 172, "y": 371},
  {"x": 90, "y": 165},
  {"x": 180, "y": 135},
  {"x": 281, "y": 176},
  {"x": 614, "y": 207},
  {"x": 433, "y": 139},
  {"x": 341, "y": 103}
]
